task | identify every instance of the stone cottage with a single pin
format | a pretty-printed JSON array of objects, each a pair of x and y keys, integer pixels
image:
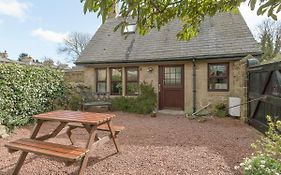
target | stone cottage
[{"x": 185, "y": 74}]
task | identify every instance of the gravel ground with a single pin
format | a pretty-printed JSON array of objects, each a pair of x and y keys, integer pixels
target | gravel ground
[{"x": 161, "y": 145}]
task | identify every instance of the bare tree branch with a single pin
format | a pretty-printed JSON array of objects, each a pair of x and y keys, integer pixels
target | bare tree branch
[{"x": 74, "y": 44}]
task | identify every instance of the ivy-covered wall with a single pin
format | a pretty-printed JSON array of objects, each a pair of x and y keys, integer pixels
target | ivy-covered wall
[{"x": 27, "y": 90}]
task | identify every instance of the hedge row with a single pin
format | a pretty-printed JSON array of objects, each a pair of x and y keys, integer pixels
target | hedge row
[{"x": 27, "y": 90}]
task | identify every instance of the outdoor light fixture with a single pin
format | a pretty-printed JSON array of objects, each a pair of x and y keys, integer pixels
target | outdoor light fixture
[{"x": 150, "y": 69}]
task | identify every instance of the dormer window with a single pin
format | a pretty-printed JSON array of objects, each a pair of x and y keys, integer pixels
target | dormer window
[{"x": 130, "y": 28}]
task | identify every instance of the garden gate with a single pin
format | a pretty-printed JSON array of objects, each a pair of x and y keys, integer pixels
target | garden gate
[{"x": 264, "y": 84}]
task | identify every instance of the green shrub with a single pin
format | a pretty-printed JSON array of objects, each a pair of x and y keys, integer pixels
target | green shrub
[
  {"x": 145, "y": 103},
  {"x": 267, "y": 160},
  {"x": 261, "y": 165},
  {"x": 27, "y": 90},
  {"x": 71, "y": 100},
  {"x": 220, "y": 110},
  {"x": 270, "y": 144}
]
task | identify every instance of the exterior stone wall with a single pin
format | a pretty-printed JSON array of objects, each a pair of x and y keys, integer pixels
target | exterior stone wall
[
  {"x": 149, "y": 73},
  {"x": 74, "y": 76},
  {"x": 240, "y": 86}
]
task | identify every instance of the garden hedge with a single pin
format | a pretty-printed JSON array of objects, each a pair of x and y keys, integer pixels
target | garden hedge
[{"x": 26, "y": 90}]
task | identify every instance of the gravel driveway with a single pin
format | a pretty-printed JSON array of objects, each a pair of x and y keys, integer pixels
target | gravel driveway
[{"x": 161, "y": 145}]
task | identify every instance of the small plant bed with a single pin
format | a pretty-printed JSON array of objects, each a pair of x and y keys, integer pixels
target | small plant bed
[{"x": 220, "y": 110}]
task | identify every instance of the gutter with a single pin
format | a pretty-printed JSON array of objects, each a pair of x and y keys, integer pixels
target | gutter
[{"x": 233, "y": 56}]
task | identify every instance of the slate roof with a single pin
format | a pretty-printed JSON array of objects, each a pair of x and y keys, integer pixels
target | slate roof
[{"x": 225, "y": 35}]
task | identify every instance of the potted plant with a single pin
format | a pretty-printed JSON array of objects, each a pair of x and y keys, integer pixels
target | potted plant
[{"x": 221, "y": 110}]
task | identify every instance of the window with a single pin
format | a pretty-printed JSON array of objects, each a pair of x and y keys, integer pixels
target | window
[
  {"x": 116, "y": 81},
  {"x": 218, "y": 77},
  {"x": 101, "y": 80},
  {"x": 172, "y": 76},
  {"x": 130, "y": 28},
  {"x": 132, "y": 81}
]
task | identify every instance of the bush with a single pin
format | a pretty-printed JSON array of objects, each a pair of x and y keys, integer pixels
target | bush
[
  {"x": 145, "y": 103},
  {"x": 26, "y": 91},
  {"x": 220, "y": 110},
  {"x": 261, "y": 165},
  {"x": 271, "y": 143},
  {"x": 267, "y": 160},
  {"x": 75, "y": 95}
]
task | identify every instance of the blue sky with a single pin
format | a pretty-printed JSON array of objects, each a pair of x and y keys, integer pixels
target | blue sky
[{"x": 37, "y": 27}]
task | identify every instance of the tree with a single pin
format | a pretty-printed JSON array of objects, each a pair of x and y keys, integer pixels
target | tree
[
  {"x": 269, "y": 33},
  {"x": 150, "y": 14},
  {"x": 74, "y": 44},
  {"x": 22, "y": 55}
]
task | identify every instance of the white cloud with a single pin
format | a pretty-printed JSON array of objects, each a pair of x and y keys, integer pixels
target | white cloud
[
  {"x": 49, "y": 35},
  {"x": 251, "y": 17},
  {"x": 14, "y": 8}
]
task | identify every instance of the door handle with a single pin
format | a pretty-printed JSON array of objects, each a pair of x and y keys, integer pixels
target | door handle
[{"x": 159, "y": 87}]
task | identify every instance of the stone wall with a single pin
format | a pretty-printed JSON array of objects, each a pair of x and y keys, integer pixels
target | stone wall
[
  {"x": 203, "y": 96},
  {"x": 240, "y": 86},
  {"x": 237, "y": 86},
  {"x": 149, "y": 74},
  {"x": 74, "y": 76}
]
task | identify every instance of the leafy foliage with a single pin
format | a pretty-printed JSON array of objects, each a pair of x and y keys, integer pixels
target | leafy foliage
[
  {"x": 145, "y": 103},
  {"x": 271, "y": 144},
  {"x": 220, "y": 110},
  {"x": 27, "y": 90},
  {"x": 261, "y": 165},
  {"x": 270, "y": 40},
  {"x": 155, "y": 14},
  {"x": 22, "y": 55},
  {"x": 268, "y": 152}
]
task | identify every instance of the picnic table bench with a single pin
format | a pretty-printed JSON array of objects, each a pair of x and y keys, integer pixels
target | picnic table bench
[{"x": 68, "y": 120}]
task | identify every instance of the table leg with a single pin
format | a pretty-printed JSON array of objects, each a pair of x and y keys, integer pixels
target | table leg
[
  {"x": 84, "y": 161},
  {"x": 24, "y": 154},
  {"x": 112, "y": 132}
]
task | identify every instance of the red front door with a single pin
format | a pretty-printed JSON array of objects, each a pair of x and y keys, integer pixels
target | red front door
[{"x": 171, "y": 87}]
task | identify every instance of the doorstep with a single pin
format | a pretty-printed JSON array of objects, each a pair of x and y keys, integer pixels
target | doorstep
[{"x": 171, "y": 112}]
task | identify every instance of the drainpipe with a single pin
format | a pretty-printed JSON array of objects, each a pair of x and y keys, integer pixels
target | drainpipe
[{"x": 194, "y": 85}]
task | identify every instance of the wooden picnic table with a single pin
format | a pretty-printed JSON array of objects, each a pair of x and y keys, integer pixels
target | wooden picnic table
[{"x": 69, "y": 153}]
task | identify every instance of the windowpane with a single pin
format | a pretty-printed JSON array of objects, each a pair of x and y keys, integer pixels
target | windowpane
[
  {"x": 131, "y": 28},
  {"x": 218, "y": 77},
  {"x": 101, "y": 74},
  {"x": 116, "y": 74},
  {"x": 218, "y": 84},
  {"x": 172, "y": 76},
  {"x": 116, "y": 88},
  {"x": 116, "y": 81},
  {"x": 101, "y": 87},
  {"x": 132, "y": 74},
  {"x": 132, "y": 88},
  {"x": 218, "y": 70}
]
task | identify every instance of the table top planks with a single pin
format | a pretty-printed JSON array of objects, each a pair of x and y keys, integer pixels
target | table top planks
[{"x": 75, "y": 116}]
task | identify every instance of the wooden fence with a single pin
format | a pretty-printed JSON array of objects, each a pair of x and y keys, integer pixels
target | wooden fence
[{"x": 264, "y": 88}]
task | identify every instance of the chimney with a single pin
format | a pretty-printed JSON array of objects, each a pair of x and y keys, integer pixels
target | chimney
[
  {"x": 4, "y": 54},
  {"x": 114, "y": 11}
]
